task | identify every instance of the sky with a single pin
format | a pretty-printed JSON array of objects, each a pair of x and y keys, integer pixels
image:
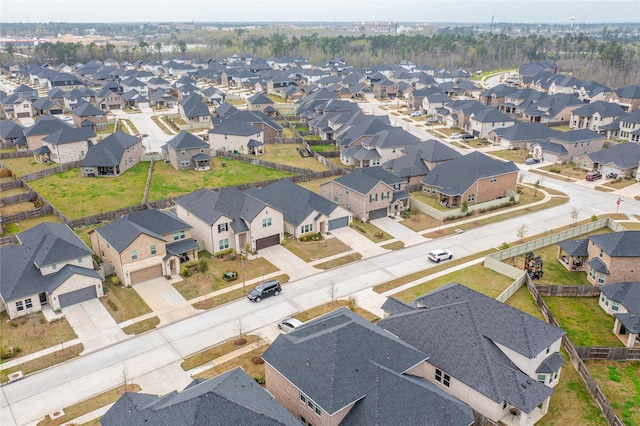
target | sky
[{"x": 462, "y": 11}]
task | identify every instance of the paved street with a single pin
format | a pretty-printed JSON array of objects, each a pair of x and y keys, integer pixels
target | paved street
[{"x": 142, "y": 121}]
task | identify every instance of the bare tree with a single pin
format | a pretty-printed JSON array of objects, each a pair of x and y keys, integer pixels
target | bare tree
[
  {"x": 125, "y": 377},
  {"x": 240, "y": 331},
  {"x": 574, "y": 216},
  {"x": 522, "y": 232},
  {"x": 332, "y": 291}
]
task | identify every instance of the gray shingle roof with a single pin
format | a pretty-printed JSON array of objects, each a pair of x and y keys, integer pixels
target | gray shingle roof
[
  {"x": 70, "y": 135},
  {"x": 11, "y": 130},
  {"x": 194, "y": 107},
  {"x": 393, "y": 137},
  {"x": 365, "y": 179},
  {"x": 598, "y": 265},
  {"x": 454, "y": 177},
  {"x": 491, "y": 115},
  {"x": 232, "y": 398},
  {"x": 603, "y": 108},
  {"x": 551, "y": 364},
  {"x": 626, "y": 293},
  {"x": 186, "y": 140},
  {"x": 85, "y": 109},
  {"x": 573, "y": 136},
  {"x": 575, "y": 247},
  {"x": 109, "y": 151},
  {"x": 619, "y": 244},
  {"x": 525, "y": 132},
  {"x": 234, "y": 126},
  {"x": 631, "y": 321},
  {"x": 624, "y": 156},
  {"x": 459, "y": 329},
  {"x": 45, "y": 125},
  {"x": 632, "y": 91},
  {"x": 556, "y": 148},
  {"x": 259, "y": 98}
]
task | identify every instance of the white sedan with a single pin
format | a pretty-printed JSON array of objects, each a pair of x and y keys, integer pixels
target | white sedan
[
  {"x": 289, "y": 324},
  {"x": 455, "y": 135},
  {"x": 439, "y": 254}
]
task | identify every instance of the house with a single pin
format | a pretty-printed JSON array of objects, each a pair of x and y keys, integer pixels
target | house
[
  {"x": 369, "y": 193},
  {"x": 66, "y": 145},
  {"x": 607, "y": 258},
  {"x": 552, "y": 110},
  {"x": 45, "y": 106},
  {"x": 500, "y": 361},
  {"x": 14, "y": 106},
  {"x": 622, "y": 300},
  {"x": 214, "y": 95},
  {"x": 87, "y": 115},
  {"x": 272, "y": 131},
  {"x": 25, "y": 92},
  {"x": 304, "y": 211},
  {"x": 340, "y": 369},
  {"x": 592, "y": 91},
  {"x": 42, "y": 127},
  {"x": 158, "y": 84},
  {"x": 112, "y": 156},
  {"x": 494, "y": 96},
  {"x": 132, "y": 83},
  {"x": 193, "y": 110},
  {"x": 259, "y": 102},
  {"x": 473, "y": 178},
  {"x": 234, "y": 135},
  {"x": 144, "y": 245},
  {"x": 231, "y": 398},
  {"x": 187, "y": 151},
  {"x": 520, "y": 135},
  {"x": 108, "y": 99},
  {"x": 49, "y": 266},
  {"x": 385, "y": 88},
  {"x": 487, "y": 120},
  {"x": 460, "y": 112},
  {"x": 229, "y": 219},
  {"x": 133, "y": 99},
  {"x": 627, "y": 97},
  {"x": 13, "y": 133},
  {"x": 563, "y": 147},
  {"x": 626, "y": 127},
  {"x": 594, "y": 115},
  {"x": 383, "y": 146},
  {"x": 418, "y": 160},
  {"x": 621, "y": 159}
]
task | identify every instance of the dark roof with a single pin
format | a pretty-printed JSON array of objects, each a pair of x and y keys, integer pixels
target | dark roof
[
  {"x": 619, "y": 244},
  {"x": 575, "y": 247},
  {"x": 155, "y": 223},
  {"x": 473, "y": 325},
  {"x": 603, "y": 108},
  {"x": 491, "y": 115},
  {"x": 406, "y": 166},
  {"x": 573, "y": 136},
  {"x": 11, "y": 130},
  {"x": 46, "y": 125},
  {"x": 259, "y": 98},
  {"x": 296, "y": 202},
  {"x": 551, "y": 364},
  {"x": 454, "y": 177},
  {"x": 232, "y": 398},
  {"x": 209, "y": 205},
  {"x": 631, "y": 321},
  {"x": 186, "y": 140},
  {"x": 632, "y": 91},
  {"x": 109, "y": 151},
  {"x": 85, "y": 109},
  {"x": 365, "y": 179},
  {"x": 598, "y": 265},
  {"x": 194, "y": 107},
  {"x": 626, "y": 293},
  {"x": 393, "y": 137},
  {"x": 43, "y": 245},
  {"x": 70, "y": 135},
  {"x": 234, "y": 126},
  {"x": 525, "y": 132},
  {"x": 624, "y": 156},
  {"x": 553, "y": 147}
]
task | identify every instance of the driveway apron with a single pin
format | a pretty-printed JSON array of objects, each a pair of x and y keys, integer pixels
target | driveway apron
[
  {"x": 164, "y": 300},
  {"x": 287, "y": 262},
  {"x": 93, "y": 324}
]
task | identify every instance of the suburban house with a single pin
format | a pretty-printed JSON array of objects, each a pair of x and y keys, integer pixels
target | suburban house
[
  {"x": 66, "y": 145},
  {"x": 383, "y": 146},
  {"x": 158, "y": 84},
  {"x": 520, "y": 135},
  {"x": 87, "y": 115},
  {"x": 232, "y": 134},
  {"x": 626, "y": 127},
  {"x": 259, "y": 102},
  {"x": 459, "y": 113},
  {"x": 552, "y": 110},
  {"x": 494, "y": 96},
  {"x": 193, "y": 110},
  {"x": 594, "y": 115},
  {"x": 621, "y": 159},
  {"x": 112, "y": 156},
  {"x": 50, "y": 266},
  {"x": 622, "y": 300},
  {"x": 144, "y": 245},
  {"x": 187, "y": 151},
  {"x": 369, "y": 193},
  {"x": 42, "y": 127},
  {"x": 487, "y": 120},
  {"x": 433, "y": 100},
  {"x": 627, "y": 97},
  {"x": 45, "y": 106},
  {"x": 418, "y": 160},
  {"x": 607, "y": 258},
  {"x": 563, "y": 147},
  {"x": 473, "y": 178},
  {"x": 15, "y": 107},
  {"x": 340, "y": 369},
  {"x": 304, "y": 211},
  {"x": 230, "y": 219},
  {"x": 271, "y": 129},
  {"x": 108, "y": 99},
  {"x": 13, "y": 133},
  {"x": 502, "y": 362},
  {"x": 232, "y": 398}
]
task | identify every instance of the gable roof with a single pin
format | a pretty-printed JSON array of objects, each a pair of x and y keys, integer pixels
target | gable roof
[
  {"x": 259, "y": 98},
  {"x": 625, "y": 156},
  {"x": 85, "y": 109},
  {"x": 491, "y": 115},
  {"x": 473, "y": 325},
  {"x": 11, "y": 130},
  {"x": 525, "y": 132},
  {"x": 109, "y": 151},
  {"x": 70, "y": 135},
  {"x": 413, "y": 162},
  {"x": 365, "y": 179},
  {"x": 619, "y": 244},
  {"x": 603, "y": 108},
  {"x": 186, "y": 140},
  {"x": 232, "y": 398},
  {"x": 194, "y": 107},
  {"x": 454, "y": 177},
  {"x": 626, "y": 293},
  {"x": 234, "y": 126},
  {"x": 45, "y": 125},
  {"x": 631, "y": 91}
]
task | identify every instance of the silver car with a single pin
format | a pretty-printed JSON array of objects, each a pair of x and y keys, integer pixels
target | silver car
[
  {"x": 439, "y": 254},
  {"x": 289, "y": 324}
]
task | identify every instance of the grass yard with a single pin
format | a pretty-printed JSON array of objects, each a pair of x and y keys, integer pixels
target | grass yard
[
  {"x": 620, "y": 183},
  {"x": 77, "y": 196},
  {"x": 17, "y": 208},
  {"x": 106, "y": 131},
  {"x": 74, "y": 411},
  {"x": 324, "y": 148},
  {"x": 620, "y": 382},
  {"x": 314, "y": 185},
  {"x": 167, "y": 182},
  {"x": 32, "y": 333},
  {"x": 522, "y": 300},
  {"x": 420, "y": 221},
  {"x": 568, "y": 170},
  {"x": 288, "y": 154},
  {"x": 23, "y": 225},
  {"x": 232, "y": 295},
  {"x": 371, "y": 231},
  {"x": 165, "y": 127},
  {"x": 515, "y": 155},
  {"x": 25, "y": 165},
  {"x": 334, "y": 263},
  {"x": 476, "y": 277},
  {"x": 253, "y": 369},
  {"x": 217, "y": 351},
  {"x": 123, "y": 303},
  {"x": 202, "y": 283},
  {"x": 584, "y": 320},
  {"x": 312, "y": 313},
  {"x": 43, "y": 362},
  {"x": 142, "y": 326},
  {"x": 632, "y": 226},
  {"x": 313, "y": 250}
]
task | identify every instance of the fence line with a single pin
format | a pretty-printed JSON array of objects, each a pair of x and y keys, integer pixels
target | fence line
[
  {"x": 568, "y": 290},
  {"x": 27, "y": 214},
  {"x": 15, "y": 154},
  {"x": 19, "y": 198},
  {"x": 612, "y": 354},
  {"x": 48, "y": 172}
]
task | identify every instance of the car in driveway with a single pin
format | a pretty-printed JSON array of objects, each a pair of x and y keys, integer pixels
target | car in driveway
[
  {"x": 440, "y": 254},
  {"x": 466, "y": 136},
  {"x": 265, "y": 289},
  {"x": 591, "y": 176},
  {"x": 530, "y": 161},
  {"x": 432, "y": 120},
  {"x": 455, "y": 135},
  {"x": 289, "y": 324}
]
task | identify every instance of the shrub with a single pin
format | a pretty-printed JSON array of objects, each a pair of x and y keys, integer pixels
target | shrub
[
  {"x": 554, "y": 170},
  {"x": 203, "y": 265},
  {"x": 594, "y": 218},
  {"x": 13, "y": 324},
  {"x": 260, "y": 380},
  {"x": 115, "y": 280},
  {"x": 222, "y": 253},
  {"x": 184, "y": 271},
  {"x": 10, "y": 352},
  {"x": 310, "y": 237},
  {"x": 503, "y": 246},
  {"x": 112, "y": 305}
]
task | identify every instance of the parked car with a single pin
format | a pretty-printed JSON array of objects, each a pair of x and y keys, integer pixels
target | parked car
[
  {"x": 455, "y": 135},
  {"x": 262, "y": 290},
  {"x": 593, "y": 176},
  {"x": 432, "y": 120},
  {"x": 466, "y": 136},
  {"x": 530, "y": 161},
  {"x": 612, "y": 175},
  {"x": 289, "y": 324},
  {"x": 440, "y": 254},
  {"x": 416, "y": 113}
]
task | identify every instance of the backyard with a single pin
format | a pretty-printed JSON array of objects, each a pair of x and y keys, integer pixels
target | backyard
[
  {"x": 23, "y": 225},
  {"x": 620, "y": 382},
  {"x": 25, "y": 165},
  {"x": 288, "y": 154}
]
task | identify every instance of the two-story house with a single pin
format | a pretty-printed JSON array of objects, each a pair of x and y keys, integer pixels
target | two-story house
[
  {"x": 622, "y": 301},
  {"x": 627, "y": 97},
  {"x": 66, "y": 145},
  {"x": 187, "y": 151},
  {"x": 383, "y": 146},
  {"x": 112, "y": 156},
  {"x": 194, "y": 111},
  {"x": 259, "y": 102},
  {"x": 237, "y": 136},
  {"x": 87, "y": 115},
  {"x": 595, "y": 115},
  {"x": 485, "y": 121},
  {"x": 144, "y": 245},
  {"x": 563, "y": 147},
  {"x": 418, "y": 160}
]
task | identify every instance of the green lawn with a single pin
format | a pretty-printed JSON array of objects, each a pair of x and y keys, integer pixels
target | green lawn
[
  {"x": 77, "y": 196},
  {"x": 25, "y": 165},
  {"x": 515, "y": 155},
  {"x": 288, "y": 154},
  {"x": 123, "y": 303},
  {"x": 167, "y": 182},
  {"x": 23, "y": 225},
  {"x": 523, "y": 301},
  {"x": 324, "y": 148},
  {"x": 620, "y": 382}
]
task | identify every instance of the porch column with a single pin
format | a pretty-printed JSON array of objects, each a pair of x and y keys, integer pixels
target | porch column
[
  {"x": 632, "y": 340},
  {"x": 545, "y": 406},
  {"x": 524, "y": 418}
]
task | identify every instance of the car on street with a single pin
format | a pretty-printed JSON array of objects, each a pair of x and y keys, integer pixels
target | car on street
[
  {"x": 439, "y": 254},
  {"x": 455, "y": 135},
  {"x": 289, "y": 324},
  {"x": 530, "y": 161},
  {"x": 591, "y": 176},
  {"x": 466, "y": 136},
  {"x": 265, "y": 289}
]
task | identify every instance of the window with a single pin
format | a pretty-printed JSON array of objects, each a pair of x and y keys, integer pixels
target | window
[
  {"x": 554, "y": 376},
  {"x": 471, "y": 197},
  {"x": 375, "y": 162},
  {"x": 493, "y": 180},
  {"x": 28, "y": 304},
  {"x": 54, "y": 266},
  {"x": 303, "y": 420},
  {"x": 19, "y": 306},
  {"x": 178, "y": 235},
  {"x": 318, "y": 410},
  {"x": 310, "y": 403},
  {"x": 99, "y": 116},
  {"x": 373, "y": 198},
  {"x": 306, "y": 228},
  {"x": 592, "y": 272},
  {"x": 601, "y": 252},
  {"x": 153, "y": 250},
  {"x": 443, "y": 378},
  {"x": 303, "y": 398},
  {"x": 504, "y": 405},
  {"x": 548, "y": 350},
  {"x": 134, "y": 254},
  {"x": 335, "y": 199},
  {"x": 223, "y": 227},
  {"x": 184, "y": 163},
  {"x": 615, "y": 306},
  {"x": 385, "y": 195},
  {"x": 79, "y": 260},
  {"x": 223, "y": 244},
  {"x": 542, "y": 378},
  {"x": 183, "y": 151},
  {"x": 201, "y": 150},
  {"x": 266, "y": 222},
  {"x": 601, "y": 278}
]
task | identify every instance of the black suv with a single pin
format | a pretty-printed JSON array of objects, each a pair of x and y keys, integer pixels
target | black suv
[{"x": 265, "y": 289}]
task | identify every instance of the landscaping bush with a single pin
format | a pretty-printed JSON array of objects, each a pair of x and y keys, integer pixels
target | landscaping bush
[
  {"x": 554, "y": 170},
  {"x": 115, "y": 280},
  {"x": 184, "y": 271},
  {"x": 10, "y": 352},
  {"x": 222, "y": 253},
  {"x": 260, "y": 380},
  {"x": 203, "y": 265},
  {"x": 311, "y": 237},
  {"x": 112, "y": 305}
]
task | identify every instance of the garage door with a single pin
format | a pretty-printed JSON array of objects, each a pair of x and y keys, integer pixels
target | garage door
[
  {"x": 23, "y": 115},
  {"x": 338, "y": 223},
  {"x": 267, "y": 241},
  {"x": 114, "y": 106},
  {"x": 378, "y": 214},
  {"x": 77, "y": 296},
  {"x": 146, "y": 274}
]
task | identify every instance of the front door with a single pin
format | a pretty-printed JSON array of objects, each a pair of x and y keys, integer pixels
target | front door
[{"x": 43, "y": 298}]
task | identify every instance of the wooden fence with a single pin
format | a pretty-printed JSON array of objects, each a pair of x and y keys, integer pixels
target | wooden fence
[
  {"x": 16, "y": 154},
  {"x": 612, "y": 354},
  {"x": 28, "y": 214},
  {"x": 19, "y": 198},
  {"x": 568, "y": 290},
  {"x": 48, "y": 172},
  {"x": 4, "y": 186},
  {"x": 8, "y": 240}
]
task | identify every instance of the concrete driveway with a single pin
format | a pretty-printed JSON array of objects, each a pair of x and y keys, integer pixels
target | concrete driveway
[
  {"x": 358, "y": 242},
  {"x": 164, "y": 300},
  {"x": 399, "y": 231},
  {"x": 287, "y": 262},
  {"x": 145, "y": 125},
  {"x": 93, "y": 324}
]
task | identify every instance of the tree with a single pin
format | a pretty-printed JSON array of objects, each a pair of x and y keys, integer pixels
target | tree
[
  {"x": 536, "y": 186},
  {"x": 332, "y": 291},
  {"x": 158, "y": 47},
  {"x": 240, "y": 330},
  {"x": 182, "y": 46},
  {"x": 10, "y": 48},
  {"x": 125, "y": 377},
  {"x": 522, "y": 232},
  {"x": 574, "y": 216},
  {"x": 465, "y": 207}
]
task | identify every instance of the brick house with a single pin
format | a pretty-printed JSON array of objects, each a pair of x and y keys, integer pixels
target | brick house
[
  {"x": 66, "y": 145},
  {"x": 112, "y": 156},
  {"x": 627, "y": 97},
  {"x": 87, "y": 115},
  {"x": 483, "y": 122},
  {"x": 563, "y": 147},
  {"x": 187, "y": 151},
  {"x": 259, "y": 102}
]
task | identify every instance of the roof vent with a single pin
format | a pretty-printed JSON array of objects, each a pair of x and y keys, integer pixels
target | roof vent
[{"x": 308, "y": 362}]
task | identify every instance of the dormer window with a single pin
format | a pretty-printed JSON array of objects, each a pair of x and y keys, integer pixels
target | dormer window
[{"x": 54, "y": 266}]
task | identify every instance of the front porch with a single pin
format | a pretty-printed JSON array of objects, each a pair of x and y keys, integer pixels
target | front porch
[
  {"x": 517, "y": 418},
  {"x": 202, "y": 162},
  {"x": 627, "y": 329}
]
